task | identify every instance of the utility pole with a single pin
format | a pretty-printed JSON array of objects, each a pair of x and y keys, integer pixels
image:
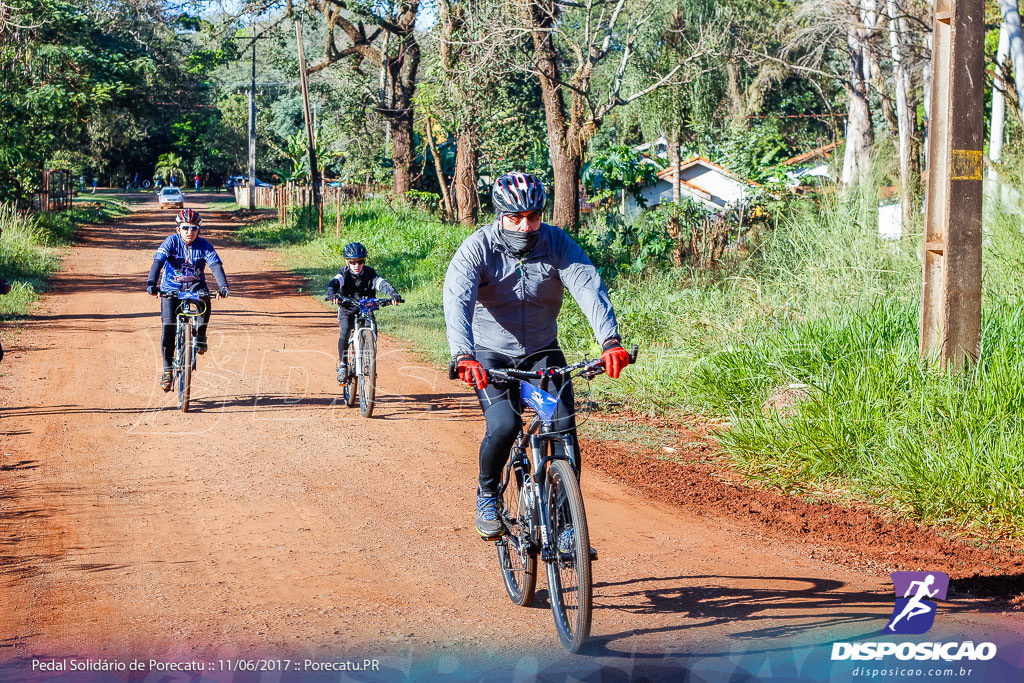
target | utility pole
[
  {"x": 252, "y": 126},
  {"x": 314, "y": 171},
  {"x": 951, "y": 302}
]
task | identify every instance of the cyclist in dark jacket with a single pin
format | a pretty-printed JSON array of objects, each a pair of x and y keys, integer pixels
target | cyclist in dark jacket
[
  {"x": 502, "y": 295},
  {"x": 354, "y": 281},
  {"x": 183, "y": 257}
]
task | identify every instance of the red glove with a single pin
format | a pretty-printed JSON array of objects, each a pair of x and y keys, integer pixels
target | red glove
[
  {"x": 615, "y": 358},
  {"x": 472, "y": 373}
]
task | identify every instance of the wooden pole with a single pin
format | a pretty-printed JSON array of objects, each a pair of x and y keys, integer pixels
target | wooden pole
[
  {"x": 314, "y": 171},
  {"x": 951, "y": 301}
]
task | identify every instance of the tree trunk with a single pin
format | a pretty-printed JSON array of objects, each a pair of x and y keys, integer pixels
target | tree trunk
[
  {"x": 909, "y": 176},
  {"x": 675, "y": 230},
  {"x": 402, "y": 68},
  {"x": 995, "y": 144},
  {"x": 567, "y": 189},
  {"x": 401, "y": 153},
  {"x": 466, "y": 173},
  {"x": 1011, "y": 20},
  {"x": 566, "y": 157},
  {"x": 737, "y": 108},
  {"x": 860, "y": 134},
  {"x": 449, "y": 212}
]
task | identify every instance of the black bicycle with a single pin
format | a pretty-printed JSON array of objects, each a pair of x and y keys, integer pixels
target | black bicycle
[
  {"x": 192, "y": 307},
  {"x": 542, "y": 506}
]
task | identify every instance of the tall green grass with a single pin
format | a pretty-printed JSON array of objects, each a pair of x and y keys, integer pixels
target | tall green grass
[
  {"x": 407, "y": 247},
  {"x": 820, "y": 301},
  {"x": 31, "y": 245}
]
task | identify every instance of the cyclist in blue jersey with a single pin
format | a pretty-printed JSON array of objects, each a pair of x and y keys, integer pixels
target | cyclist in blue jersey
[{"x": 183, "y": 257}]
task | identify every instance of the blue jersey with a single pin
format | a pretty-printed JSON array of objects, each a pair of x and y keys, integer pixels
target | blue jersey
[{"x": 184, "y": 265}]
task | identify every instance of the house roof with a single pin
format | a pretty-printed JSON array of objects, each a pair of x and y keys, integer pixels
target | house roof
[
  {"x": 697, "y": 160},
  {"x": 822, "y": 151}
]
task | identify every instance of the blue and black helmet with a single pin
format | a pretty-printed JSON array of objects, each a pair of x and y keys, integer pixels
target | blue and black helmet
[
  {"x": 517, "y": 192},
  {"x": 354, "y": 250}
]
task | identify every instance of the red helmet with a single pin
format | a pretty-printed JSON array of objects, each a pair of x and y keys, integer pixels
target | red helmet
[{"x": 189, "y": 217}]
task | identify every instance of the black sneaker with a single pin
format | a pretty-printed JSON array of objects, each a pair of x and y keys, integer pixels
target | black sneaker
[
  {"x": 488, "y": 517},
  {"x": 166, "y": 379},
  {"x": 201, "y": 346},
  {"x": 342, "y": 373}
]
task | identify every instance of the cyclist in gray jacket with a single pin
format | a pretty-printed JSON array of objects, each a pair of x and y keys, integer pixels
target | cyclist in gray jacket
[{"x": 502, "y": 295}]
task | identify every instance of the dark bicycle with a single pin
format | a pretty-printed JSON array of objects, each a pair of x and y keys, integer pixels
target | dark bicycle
[
  {"x": 542, "y": 506},
  {"x": 191, "y": 309},
  {"x": 362, "y": 355}
]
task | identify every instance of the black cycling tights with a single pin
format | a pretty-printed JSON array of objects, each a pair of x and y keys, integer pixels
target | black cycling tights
[
  {"x": 168, "y": 310},
  {"x": 344, "y": 330},
  {"x": 502, "y": 411}
]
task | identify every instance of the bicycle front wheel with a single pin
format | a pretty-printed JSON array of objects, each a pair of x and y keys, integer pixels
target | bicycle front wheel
[
  {"x": 367, "y": 371},
  {"x": 518, "y": 563},
  {"x": 185, "y": 378},
  {"x": 351, "y": 386},
  {"x": 569, "y": 577}
]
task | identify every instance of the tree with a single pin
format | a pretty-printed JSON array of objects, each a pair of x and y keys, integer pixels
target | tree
[
  {"x": 170, "y": 168},
  {"x": 690, "y": 101},
  {"x": 580, "y": 55},
  {"x": 382, "y": 34}
]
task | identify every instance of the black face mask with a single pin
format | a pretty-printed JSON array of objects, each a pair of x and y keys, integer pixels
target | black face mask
[{"x": 519, "y": 243}]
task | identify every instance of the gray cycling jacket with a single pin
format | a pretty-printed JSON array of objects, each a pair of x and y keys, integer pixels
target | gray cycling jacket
[{"x": 496, "y": 301}]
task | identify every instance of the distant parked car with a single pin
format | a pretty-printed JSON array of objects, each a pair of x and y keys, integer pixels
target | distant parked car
[
  {"x": 171, "y": 196},
  {"x": 242, "y": 180}
]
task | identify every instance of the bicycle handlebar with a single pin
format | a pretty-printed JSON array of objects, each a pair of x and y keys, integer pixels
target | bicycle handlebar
[
  {"x": 585, "y": 366},
  {"x": 175, "y": 295},
  {"x": 364, "y": 302}
]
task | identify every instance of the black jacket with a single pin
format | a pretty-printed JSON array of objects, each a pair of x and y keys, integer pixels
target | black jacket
[{"x": 347, "y": 284}]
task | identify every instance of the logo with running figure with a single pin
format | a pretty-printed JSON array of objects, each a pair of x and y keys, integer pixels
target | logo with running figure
[{"x": 914, "y": 612}]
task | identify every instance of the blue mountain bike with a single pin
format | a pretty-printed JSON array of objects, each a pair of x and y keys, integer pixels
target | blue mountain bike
[{"x": 542, "y": 506}]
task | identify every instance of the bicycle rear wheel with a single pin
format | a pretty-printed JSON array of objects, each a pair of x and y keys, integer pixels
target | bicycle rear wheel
[
  {"x": 569, "y": 577},
  {"x": 185, "y": 378},
  {"x": 350, "y": 388},
  {"x": 367, "y": 370},
  {"x": 518, "y": 564}
]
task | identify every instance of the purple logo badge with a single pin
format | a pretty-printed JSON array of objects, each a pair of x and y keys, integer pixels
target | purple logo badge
[{"x": 914, "y": 611}]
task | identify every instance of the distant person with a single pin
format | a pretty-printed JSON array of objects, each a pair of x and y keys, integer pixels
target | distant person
[
  {"x": 354, "y": 281},
  {"x": 135, "y": 183},
  {"x": 4, "y": 289},
  {"x": 183, "y": 257},
  {"x": 94, "y": 181},
  {"x": 197, "y": 182}
]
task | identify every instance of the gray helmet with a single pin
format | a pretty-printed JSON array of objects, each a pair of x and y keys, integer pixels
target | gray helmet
[{"x": 517, "y": 192}]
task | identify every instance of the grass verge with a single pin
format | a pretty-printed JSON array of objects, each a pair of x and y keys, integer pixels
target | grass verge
[
  {"x": 821, "y": 303},
  {"x": 31, "y": 246}
]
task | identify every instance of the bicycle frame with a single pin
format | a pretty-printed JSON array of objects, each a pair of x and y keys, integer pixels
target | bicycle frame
[
  {"x": 539, "y": 432},
  {"x": 191, "y": 309},
  {"x": 364, "y": 319}
]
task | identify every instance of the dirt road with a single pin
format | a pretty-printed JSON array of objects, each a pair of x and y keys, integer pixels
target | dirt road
[{"x": 274, "y": 521}]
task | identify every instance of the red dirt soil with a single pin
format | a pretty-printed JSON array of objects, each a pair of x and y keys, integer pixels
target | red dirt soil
[{"x": 272, "y": 519}]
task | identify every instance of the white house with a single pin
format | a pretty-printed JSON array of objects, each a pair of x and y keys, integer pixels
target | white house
[{"x": 701, "y": 180}]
